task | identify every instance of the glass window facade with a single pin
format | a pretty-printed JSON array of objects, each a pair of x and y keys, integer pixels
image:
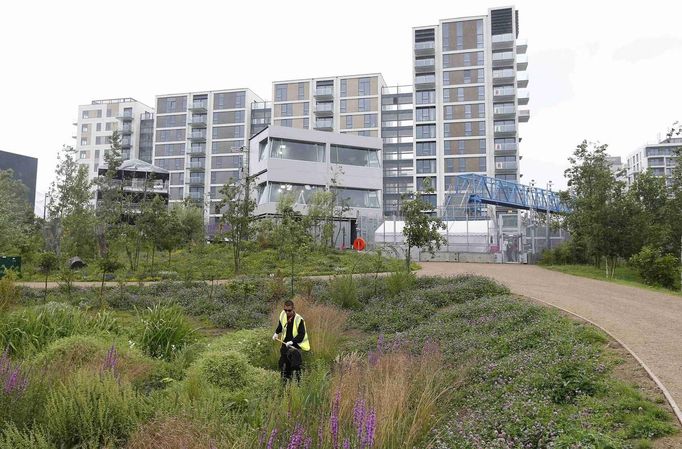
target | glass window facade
[
  {"x": 358, "y": 198},
  {"x": 296, "y": 150},
  {"x": 361, "y": 157},
  {"x": 273, "y": 192}
]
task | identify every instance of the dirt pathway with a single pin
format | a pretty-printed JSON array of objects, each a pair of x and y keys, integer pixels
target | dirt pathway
[{"x": 647, "y": 322}]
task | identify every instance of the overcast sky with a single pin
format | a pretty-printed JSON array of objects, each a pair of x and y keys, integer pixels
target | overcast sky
[{"x": 601, "y": 71}]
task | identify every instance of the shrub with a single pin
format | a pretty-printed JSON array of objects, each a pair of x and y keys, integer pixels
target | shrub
[
  {"x": 228, "y": 369},
  {"x": 343, "y": 292},
  {"x": 255, "y": 344},
  {"x": 393, "y": 314},
  {"x": 565, "y": 253},
  {"x": 657, "y": 268},
  {"x": 461, "y": 289},
  {"x": 13, "y": 438},
  {"x": 400, "y": 281},
  {"x": 29, "y": 330},
  {"x": 9, "y": 293},
  {"x": 164, "y": 330},
  {"x": 92, "y": 411}
]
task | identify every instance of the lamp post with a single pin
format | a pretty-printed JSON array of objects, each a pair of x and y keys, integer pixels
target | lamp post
[
  {"x": 532, "y": 216},
  {"x": 549, "y": 241}
]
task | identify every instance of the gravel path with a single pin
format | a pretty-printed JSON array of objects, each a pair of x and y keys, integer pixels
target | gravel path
[{"x": 647, "y": 322}]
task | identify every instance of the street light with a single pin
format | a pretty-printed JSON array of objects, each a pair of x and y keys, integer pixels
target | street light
[{"x": 549, "y": 188}]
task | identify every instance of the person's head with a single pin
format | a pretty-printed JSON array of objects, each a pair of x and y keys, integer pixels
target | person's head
[{"x": 289, "y": 308}]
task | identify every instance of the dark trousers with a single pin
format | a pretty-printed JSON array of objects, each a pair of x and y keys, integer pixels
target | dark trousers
[{"x": 289, "y": 363}]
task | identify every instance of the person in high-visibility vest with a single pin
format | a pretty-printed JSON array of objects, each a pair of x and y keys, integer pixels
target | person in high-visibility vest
[{"x": 294, "y": 339}]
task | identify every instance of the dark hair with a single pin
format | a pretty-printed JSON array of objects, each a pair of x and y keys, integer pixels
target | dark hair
[{"x": 289, "y": 302}]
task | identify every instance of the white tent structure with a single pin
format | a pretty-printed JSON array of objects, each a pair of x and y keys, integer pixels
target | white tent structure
[{"x": 472, "y": 236}]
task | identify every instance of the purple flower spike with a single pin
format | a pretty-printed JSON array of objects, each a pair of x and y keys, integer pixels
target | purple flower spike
[
  {"x": 346, "y": 444},
  {"x": 271, "y": 440},
  {"x": 296, "y": 438},
  {"x": 370, "y": 428},
  {"x": 380, "y": 344},
  {"x": 359, "y": 416},
  {"x": 308, "y": 443},
  {"x": 334, "y": 420}
]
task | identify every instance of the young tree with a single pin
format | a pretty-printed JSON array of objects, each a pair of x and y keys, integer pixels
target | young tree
[
  {"x": 237, "y": 218},
  {"x": 292, "y": 234},
  {"x": 110, "y": 204},
  {"x": 151, "y": 222},
  {"x": 420, "y": 228},
  {"x": 47, "y": 263},
  {"x": 602, "y": 216}
]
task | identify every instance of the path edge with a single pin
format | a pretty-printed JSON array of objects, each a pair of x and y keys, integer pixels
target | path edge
[{"x": 659, "y": 384}]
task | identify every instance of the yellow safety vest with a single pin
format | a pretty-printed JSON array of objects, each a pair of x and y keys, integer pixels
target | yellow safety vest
[{"x": 305, "y": 345}]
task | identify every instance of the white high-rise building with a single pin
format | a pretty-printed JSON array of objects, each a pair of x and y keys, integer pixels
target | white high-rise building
[
  {"x": 658, "y": 158},
  {"x": 98, "y": 120}
]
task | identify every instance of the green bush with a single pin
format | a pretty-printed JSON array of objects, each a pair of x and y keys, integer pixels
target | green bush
[
  {"x": 92, "y": 412},
  {"x": 343, "y": 292},
  {"x": 228, "y": 369},
  {"x": 29, "y": 330},
  {"x": 13, "y": 438},
  {"x": 9, "y": 293},
  {"x": 657, "y": 268},
  {"x": 255, "y": 344},
  {"x": 461, "y": 289},
  {"x": 163, "y": 331},
  {"x": 400, "y": 281},
  {"x": 566, "y": 253},
  {"x": 393, "y": 314}
]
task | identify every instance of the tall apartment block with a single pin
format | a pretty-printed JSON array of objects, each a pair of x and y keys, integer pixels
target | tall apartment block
[
  {"x": 657, "y": 158},
  {"x": 345, "y": 104},
  {"x": 99, "y": 119},
  {"x": 199, "y": 137},
  {"x": 468, "y": 75}
]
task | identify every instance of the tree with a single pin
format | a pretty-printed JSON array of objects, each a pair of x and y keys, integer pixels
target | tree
[
  {"x": 171, "y": 233},
  {"x": 106, "y": 265},
  {"x": 70, "y": 210},
  {"x": 420, "y": 228},
  {"x": 16, "y": 216},
  {"x": 46, "y": 264},
  {"x": 650, "y": 193},
  {"x": 151, "y": 222},
  {"x": 603, "y": 218},
  {"x": 237, "y": 218},
  {"x": 110, "y": 201},
  {"x": 292, "y": 234}
]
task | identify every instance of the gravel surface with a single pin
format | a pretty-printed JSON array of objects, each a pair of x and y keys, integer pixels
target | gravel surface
[{"x": 648, "y": 322}]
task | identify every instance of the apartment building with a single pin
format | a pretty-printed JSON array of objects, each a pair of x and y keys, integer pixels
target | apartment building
[
  {"x": 99, "y": 119},
  {"x": 469, "y": 80},
  {"x": 198, "y": 138},
  {"x": 300, "y": 162},
  {"x": 657, "y": 158},
  {"x": 346, "y": 104}
]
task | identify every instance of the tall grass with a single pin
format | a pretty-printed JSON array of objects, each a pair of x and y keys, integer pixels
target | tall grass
[
  {"x": 163, "y": 331},
  {"x": 9, "y": 293},
  {"x": 29, "y": 330}
]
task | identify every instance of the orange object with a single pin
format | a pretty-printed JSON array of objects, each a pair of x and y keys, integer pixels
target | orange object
[{"x": 359, "y": 244}]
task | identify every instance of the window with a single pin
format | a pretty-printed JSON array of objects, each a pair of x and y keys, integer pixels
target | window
[
  {"x": 467, "y": 111},
  {"x": 426, "y": 165},
  {"x": 177, "y": 178},
  {"x": 273, "y": 191},
  {"x": 344, "y": 88},
  {"x": 481, "y": 93},
  {"x": 83, "y": 154},
  {"x": 448, "y": 112},
  {"x": 223, "y": 177},
  {"x": 96, "y": 155},
  {"x": 343, "y": 105},
  {"x": 481, "y": 110},
  {"x": 171, "y": 121},
  {"x": 296, "y": 150},
  {"x": 363, "y": 104},
  {"x": 301, "y": 91},
  {"x": 459, "y": 41},
  {"x": 358, "y": 198},
  {"x": 85, "y": 114},
  {"x": 349, "y": 121},
  {"x": 467, "y": 59},
  {"x": 281, "y": 92},
  {"x": 84, "y": 128},
  {"x": 364, "y": 86},
  {"x": 109, "y": 126},
  {"x": 446, "y": 78},
  {"x": 84, "y": 141},
  {"x": 287, "y": 123},
  {"x": 169, "y": 135},
  {"x": 306, "y": 108},
  {"x": 460, "y": 93},
  {"x": 467, "y": 129},
  {"x": 361, "y": 157},
  {"x": 99, "y": 127},
  {"x": 426, "y": 131},
  {"x": 222, "y": 118},
  {"x": 426, "y": 148},
  {"x": 228, "y": 132},
  {"x": 425, "y": 114},
  {"x": 479, "y": 34},
  {"x": 306, "y": 123},
  {"x": 370, "y": 120},
  {"x": 479, "y": 58},
  {"x": 426, "y": 97},
  {"x": 170, "y": 149},
  {"x": 109, "y": 112},
  {"x": 226, "y": 162}
]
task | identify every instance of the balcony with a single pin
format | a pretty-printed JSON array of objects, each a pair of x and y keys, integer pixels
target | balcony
[
  {"x": 198, "y": 121},
  {"x": 505, "y": 130},
  {"x": 324, "y": 125},
  {"x": 126, "y": 144},
  {"x": 500, "y": 112},
  {"x": 197, "y": 136},
  {"x": 523, "y": 97},
  {"x": 324, "y": 92},
  {"x": 521, "y": 46},
  {"x": 504, "y": 93},
  {"x": 425, "y": 48},
  {"x": 197, "y": 166},
  {"x": 522, "y": 79},
  {"x": 503, "y": 59},
  {"x": 196, "y": 196},
  {"x": 425, "y": 65},
  {"x": 521, "y": 62},
  {"x": 506, "y": 166},
  {"x": 324, "y": 109},
  {"x": 126, "y": 130},
  {"x": 503, "y": 76},
  {"x": 502, "y": 41},
  {"x": 126, "y": 117},
  {"x": 425, "y": 81},
  {"x": 198, "y": 106},
  {"x": 196, "y": 180},
  {"x": 196, "y": 150},
  {"x": 505, "y": 149},
  {"x": 139, "y": 185},
  {"x": 524, "y": 115}
]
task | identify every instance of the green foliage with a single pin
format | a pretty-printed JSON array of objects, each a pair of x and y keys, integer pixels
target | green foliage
[
  {"x": 421, "y": 227},
  {"x": 255, "y": 344},
  {"x": 93, "y": 411},
  {"x": 343, "y": 292},
  {"x": 13, "y": 438},
  {"x": 657, "y": 268},
  {"x": 9, "y": 293},
  {"x": 163, "y": 331},
  {"x": 563, "y": 254},
  {"x": 226, "y": 369},
  {"x": 237, "y": 218},
  {"x": 16, "y": 216},
  {"x": 47, "y": 263},
  {"x": 29, "y": 330},
  {"x": 399, "y": 281}
]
